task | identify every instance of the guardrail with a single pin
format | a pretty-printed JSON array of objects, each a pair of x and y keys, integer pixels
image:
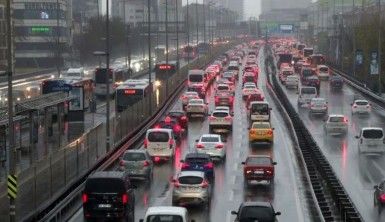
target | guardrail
[
  {"x": 56, "y": 209},
  {"x": 334, "y": 202}
]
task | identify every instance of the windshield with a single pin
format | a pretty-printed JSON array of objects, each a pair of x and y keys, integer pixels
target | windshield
[
  {"x": 362, "y": 103},
  {"x": 233, "y": 68},
  {"x": 258, "y": 161},
  {"x": 195, "y": 78},
  {"x": 308, "y": 91},
  {"x": 372, "y": 134},
  {"x": 220, "y": 114},
  {"x": 336, "y": 119},
  {"x": 190, "y": 180},
  {"x": 134, "y": 157},
  {"x": 323, "y": 69},
  {"x": 164, "y": 218},
  {"x": 262, "y": 109},
  {"x": 257, "y": 213},
  {"x": 209, "y": 139},
  {"x": 158, "y": 137}
]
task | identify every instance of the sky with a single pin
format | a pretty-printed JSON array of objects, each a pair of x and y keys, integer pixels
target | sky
[{"x": 252, "y": 7}]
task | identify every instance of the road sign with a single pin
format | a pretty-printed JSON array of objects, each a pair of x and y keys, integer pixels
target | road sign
[{"x": 12, "y": 186}]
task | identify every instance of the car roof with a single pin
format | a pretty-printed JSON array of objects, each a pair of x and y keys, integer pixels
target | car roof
[
  {"x": 256, "y": 204},
  {"x": 259, "y": 102},
  {"x": 107, "y": 174},
  {"x": 166, "y": 210},
  {"x": 197, "y": 155},
  {"x": 372, "y": 128},
  {"x": 196, "y": 100},
  {"x": 191, "y": 92},
  {"x": 191, "y": 173},
  {"x": 135, "y": 151},
  {"x": 159, "y": 130},
  {"x": 361, "y": 100},
  {"x": 336, "y": 115},
  {"x": 318, "y": 99},
  {"x": 210, "y": 135},
  {"x": 259, "y": 156}
]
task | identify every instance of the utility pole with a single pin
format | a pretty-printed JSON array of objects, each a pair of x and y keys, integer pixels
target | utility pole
[
  {"x": 149, "y": 51},
  {"x": 167, "y": 51},
  {"x": 354, "y": 39},
  {"x": 177, "y": 33},
  {"x": 108, "y": 139},
  {"x": 204, "y": 23},
  {"x": 58, "y": 37},
  {"x": 188, "y": 33},
  {"x": 197, "y": 21},
  {"x": 379, "y": 48},
  {"x": 11, "y": 129},
  {"x": 126, "y": 30}
]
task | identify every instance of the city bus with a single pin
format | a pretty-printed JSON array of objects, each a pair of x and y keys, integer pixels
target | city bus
[
  {"x": 317, "y": 59},
  {"x": 189, "y": 52},
  {"x": 163, "y": 70},
  {"x": 116, "y": 77},
  {"x": 160, "y": 52},
  {"x": 131, "y": 92}
]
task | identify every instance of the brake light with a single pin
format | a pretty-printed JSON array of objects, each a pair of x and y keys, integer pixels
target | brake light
[
  {"x": 205, "y": 184},
  {"x": 219, "y": 146},
  {"x": 157, "y": 126},
  {"x": 345, "y": 120},
  {"x": 216, "y": 99},
  {"x": 177, "y": 128},
  {"x": 146, "y": 163},
  {"x": 125, "y": 198},
  {"x": 382, "y": 198},
  {"x": 231, "y": 99},
  {"x": 84, "y": 198},
  {"x": 121, "y": 163},
  {"x": 171, "y": 142},
  {"x": 145, "y": 143},
  {"x": 200, "y": 146},
  {"x": 212, "y": 118},
  {"x": 184, "y": 118},
  {"x": 209, "y": 165},
  {"x": 269, "y": 172},
  {"x": 185, "y": 166},
  {"x": 270, "y": 132},
  {"x": 228, "y": 118},
  {"x": 176, "y": 184}
]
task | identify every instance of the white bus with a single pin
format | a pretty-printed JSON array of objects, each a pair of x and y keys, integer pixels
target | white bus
[
  {"x": 131, "y": 92},
  {"x": 116, "y": 77}
]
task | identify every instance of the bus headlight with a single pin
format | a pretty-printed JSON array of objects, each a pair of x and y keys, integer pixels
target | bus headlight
[
  {"x": 157, "y": 83},
  {"x": 137, "y": 66},
  {"x": 28, "y": 88}
]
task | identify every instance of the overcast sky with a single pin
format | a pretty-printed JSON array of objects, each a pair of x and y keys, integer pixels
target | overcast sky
[{"x": 252, "y": 7}]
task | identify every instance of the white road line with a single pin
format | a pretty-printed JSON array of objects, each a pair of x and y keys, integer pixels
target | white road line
[
  {"x": 228, "y": 216},
  {"x": 231, "y": 195},
  {"x": 235, "y": 166}
]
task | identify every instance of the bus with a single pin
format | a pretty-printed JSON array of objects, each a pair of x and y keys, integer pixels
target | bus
[
  {"x": 189, "y": 52},
  {"x": 160, "y": 52},
  {"x": 67, "y": 84},
  {"x": 116, "y": 77},
  {"x": 317, "y": 59},
  {"x": 308, "y": 52},
  {"x": 284, "y": 58},
  {"x": 163, "y": 70},
  {"x": 131, "y": 92},
  {"x": 203, "y": 48}
]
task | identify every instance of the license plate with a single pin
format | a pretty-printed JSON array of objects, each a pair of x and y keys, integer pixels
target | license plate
[
  {"x": 104, "y": 205},
  {"x": 260, "y": 133},
  {"x": 258, "y": 172}
]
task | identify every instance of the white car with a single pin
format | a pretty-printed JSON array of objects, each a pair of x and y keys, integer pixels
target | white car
[
  {"x": 166, "y": 213},
  {"x": 211, "y": 144},
  {"x": 160, "y": 144},
  {"x": 361, "y": 106},
  {"x": 222, "y": 108},
  {"x": 248, "y": 89},
  {"x": 196, "y": 108},
  {"x": 336, "y": 124},
  {"x": 318, "y": 106},
  {"x": 305, "y": 95},
  {"x": 323, "y": 72},
  {"x": 371, "y": 140},
  {"x": 220, "y": 120},
  {"x": 292, "y": 81},
  {"x": 185, "y": 98}
]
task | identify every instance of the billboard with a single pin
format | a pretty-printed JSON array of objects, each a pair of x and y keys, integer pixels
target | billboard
[
  {"x": 286, "y": 27},
  {"x": 77, "y": 103}
]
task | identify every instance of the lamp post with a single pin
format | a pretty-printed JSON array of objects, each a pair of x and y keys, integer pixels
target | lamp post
[
  {"x": 57, "y": 38},
  {"x": 379, "y": 48},
  {"x": 188, "y": 32},
  {"x": 108, "y": 141},
  {"x": 177, "y": 33},
  {"x": 149, "y": 50},
  {"x": 197, "y": 21}
]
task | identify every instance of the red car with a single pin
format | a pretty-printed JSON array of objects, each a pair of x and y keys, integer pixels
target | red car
[
  {"x": 379, "y": 196},
  {"x": 254, "y": 97},
  {"x": 180, "y": 116},
  {"x": 249, "y": 77},
  {"x": 224, "y": 99},
  {"x": 258, "y": 168}
]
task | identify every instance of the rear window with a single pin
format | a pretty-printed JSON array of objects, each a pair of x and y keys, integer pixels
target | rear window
[
  {"x": 228, "y": 74},
  {"x": 164, "y": 218},
  {"x": 287, "y": 73},
  {"x": 195, "y": 78},
  {"x": 158, "y": 137},
  {"x": 196, "y": 102},
  {"x": 257, "y": 214},
  {"x": 190, "y": 180},
  {"x": 260, "y": 108},
  {"x": 308, "y": 91},
  {"x": 249, "y": 78},
  {"x": 220, "y": 114},
  {"x": 134, "y": 157},
  {"x": 362, "y": 103},
  {"x": 324, "y": 69},
  {"x": 104, "y": 185},
  {"x": 210, "y": 139},
  {"x": 197, "y": 160},
  {"x": 233, "y": 68},
  {"x": 307, "y": 72},
  {"x": 261, "y": 126},
  {"x": 223, "y": 88},
  {"x": 336, "y": 119},
  {"x": 258, "y": 161},
  {"x": 372, "y": 134},
  {"x": 250, "y": 86}
]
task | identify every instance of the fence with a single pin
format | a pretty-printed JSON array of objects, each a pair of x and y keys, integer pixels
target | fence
[{"x": 45, "y": 180}]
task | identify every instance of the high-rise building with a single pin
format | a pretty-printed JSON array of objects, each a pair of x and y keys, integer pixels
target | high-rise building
[
  {"x": 3, "y": 37},
  {"x": 82, "y": 11},
  {"x": 235, "y": 5},
  {"x": 42, "y": 32}
]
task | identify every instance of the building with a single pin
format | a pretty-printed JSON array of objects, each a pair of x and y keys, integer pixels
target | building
[
  {"x": 82, "y": 11},
  {"x": 3, "y": 37},
  {"x": 234, "y": 5},
  {"x": 37, "y": 30},
  {"x": 132, "y": 12},
  {"x": 269, "y": 5}
]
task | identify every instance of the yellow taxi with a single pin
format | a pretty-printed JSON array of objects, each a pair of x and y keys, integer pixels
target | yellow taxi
[{"x": 261, "y": 132}]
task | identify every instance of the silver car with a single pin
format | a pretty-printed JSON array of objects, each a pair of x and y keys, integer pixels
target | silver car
[
  {"x": 137, "y": 163},
  {"x": 212, "y": 144},
  {"x": 191, "y": 187}
]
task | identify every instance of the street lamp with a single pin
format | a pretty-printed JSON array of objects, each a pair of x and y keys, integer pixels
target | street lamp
[{"x": 188, "y": 33}]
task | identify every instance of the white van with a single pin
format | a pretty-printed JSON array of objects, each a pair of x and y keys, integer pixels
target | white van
[
  {"x": 160, "y": 143},
  {"x": 259, "y": 111},
  {"x": 196, "y": 78},
  {"x": 371, "y": 140},
  {"x": 169, "y": 214},
  {"x": 305, "y": 94},
  {"x": 323, "y": 72}
]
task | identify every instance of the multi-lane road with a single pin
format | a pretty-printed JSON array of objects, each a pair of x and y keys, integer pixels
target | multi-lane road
[{"x": 287, "y": 193}]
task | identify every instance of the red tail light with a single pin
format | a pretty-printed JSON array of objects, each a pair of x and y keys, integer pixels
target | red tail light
[
  {"x": 177, "y": 128},
  {"x": 231, "y": 98},
  {"x": 184, "y": 118},
  {"x": 209, "y": 165},
  {"x": 146, "y": 163},
  {"x": 200, "y": 146},
  {"x": 185, "y": 166},
  {"x": 125, "y": 198},
  {"x": 216, "y": 99},
  {"x": 382, "y": 198},
  {"x": 219, "y": 146},
  {"x": 205, "y": 184},
  {"x": 345, "y": 120},
  {"x": 121, "y": 163},
  {"x": 145, "y": 143},
  {"x": 84, "y": 198},
  {"x": 212, "y": 118},
  {"x": 176, "y": 184},
  {"x": 270, "y": 132},
  {"x": 157, "y": 126},
  {"x": 228, "y": 118},
  {"x": 171, "y": 142}
]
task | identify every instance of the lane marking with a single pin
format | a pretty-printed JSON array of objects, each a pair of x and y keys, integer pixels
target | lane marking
[{"x": 231, "y": 195}]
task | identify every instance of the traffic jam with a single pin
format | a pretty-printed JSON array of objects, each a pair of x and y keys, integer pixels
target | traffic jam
[{"x": 214, "y": 149}]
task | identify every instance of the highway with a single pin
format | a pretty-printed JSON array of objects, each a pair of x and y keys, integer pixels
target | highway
[
  {"x": 287, "y": 194},
  {"x": 358, "y": 173}
]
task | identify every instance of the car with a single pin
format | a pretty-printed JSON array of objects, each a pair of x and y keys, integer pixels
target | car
[
  {"x": 306, "y": 72},
  {"x": 259, "y": 111},
  {"x": 196, "y": 108},
  {"x": 312, "y": 81},
  {"x": 249, "y": 77},
  {"x": 261, "y": 132},
  {"x": 212, "y": 144},
  {"x": 318, "y": 106},
  {"x": 336, "y": 124},
  {"x": 284, "y": 73},
  {"x": 258, "y": 168},
  {"x": 305, "y": 94},
  {"x": 336, "y": 82},
  {"x": 248, "y": 89},
  {"x": 160, "y": 144},
  {"x": 323, "y": 72},
  {"x": 108, "y": 194},
  {"x": 199, "y": 162},
  {"x": 166, "y": 214},
  {"x": 229, "y": 75},
  {"x": 257, "y": 96},
  {"x": 371, "y": 140},
  {"x": 224, "y": 98},
  {"x": 379, "y": 196},
  {"x": 256, "y": 211},
  {"x": 226, "y": 82},
  {"x": 361, "y": 106},
  {"x": 137, "y": 163},
  {"x": 186, "y": 96},
  {"x": 180, "y": 116},
  {"x": 173, "y": 124},
  {"x": 224, "y": 88},
  {"x": 220, "y": 120},
  {"x": 292, "y": 81},
  {"x": 191, "y": 187}
]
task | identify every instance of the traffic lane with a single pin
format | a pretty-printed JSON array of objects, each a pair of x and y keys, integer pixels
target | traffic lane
[{"x": 342, "y": 152}]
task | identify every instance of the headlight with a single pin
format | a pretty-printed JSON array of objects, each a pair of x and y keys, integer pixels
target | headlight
[
  {"x": 18, "y": 99},
  {"x": 52, "y": 76},
  {"x": 157, "y": 83},
  {"x": 137, "y": 66},
  {"x": 28, "y": 88}
]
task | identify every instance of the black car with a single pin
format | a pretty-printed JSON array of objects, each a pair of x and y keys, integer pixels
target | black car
[
  {"x": 256, "y": 211},
  {"x": 109, "y": 195},
  {"x": 180, "y": 116},
  {"x": 336, "y": 82},
  {"x": 199, "y": 162}
]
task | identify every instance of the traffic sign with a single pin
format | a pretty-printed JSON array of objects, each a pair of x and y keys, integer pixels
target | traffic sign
[{"x": 12, "y": 186}]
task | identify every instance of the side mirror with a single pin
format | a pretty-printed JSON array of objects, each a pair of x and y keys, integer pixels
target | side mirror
[
  {"x": 196, "y": 141},
  {"x": 243, "y": 163},
  {"x": 234, "y": 212},
  {"x": 274, "y": 163},
  {"x": 182, "y": 161},
  {"x": 375, "y": 187},
  {"x": 357, "y": 137},
  {"x": 277, "y": 213}
]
